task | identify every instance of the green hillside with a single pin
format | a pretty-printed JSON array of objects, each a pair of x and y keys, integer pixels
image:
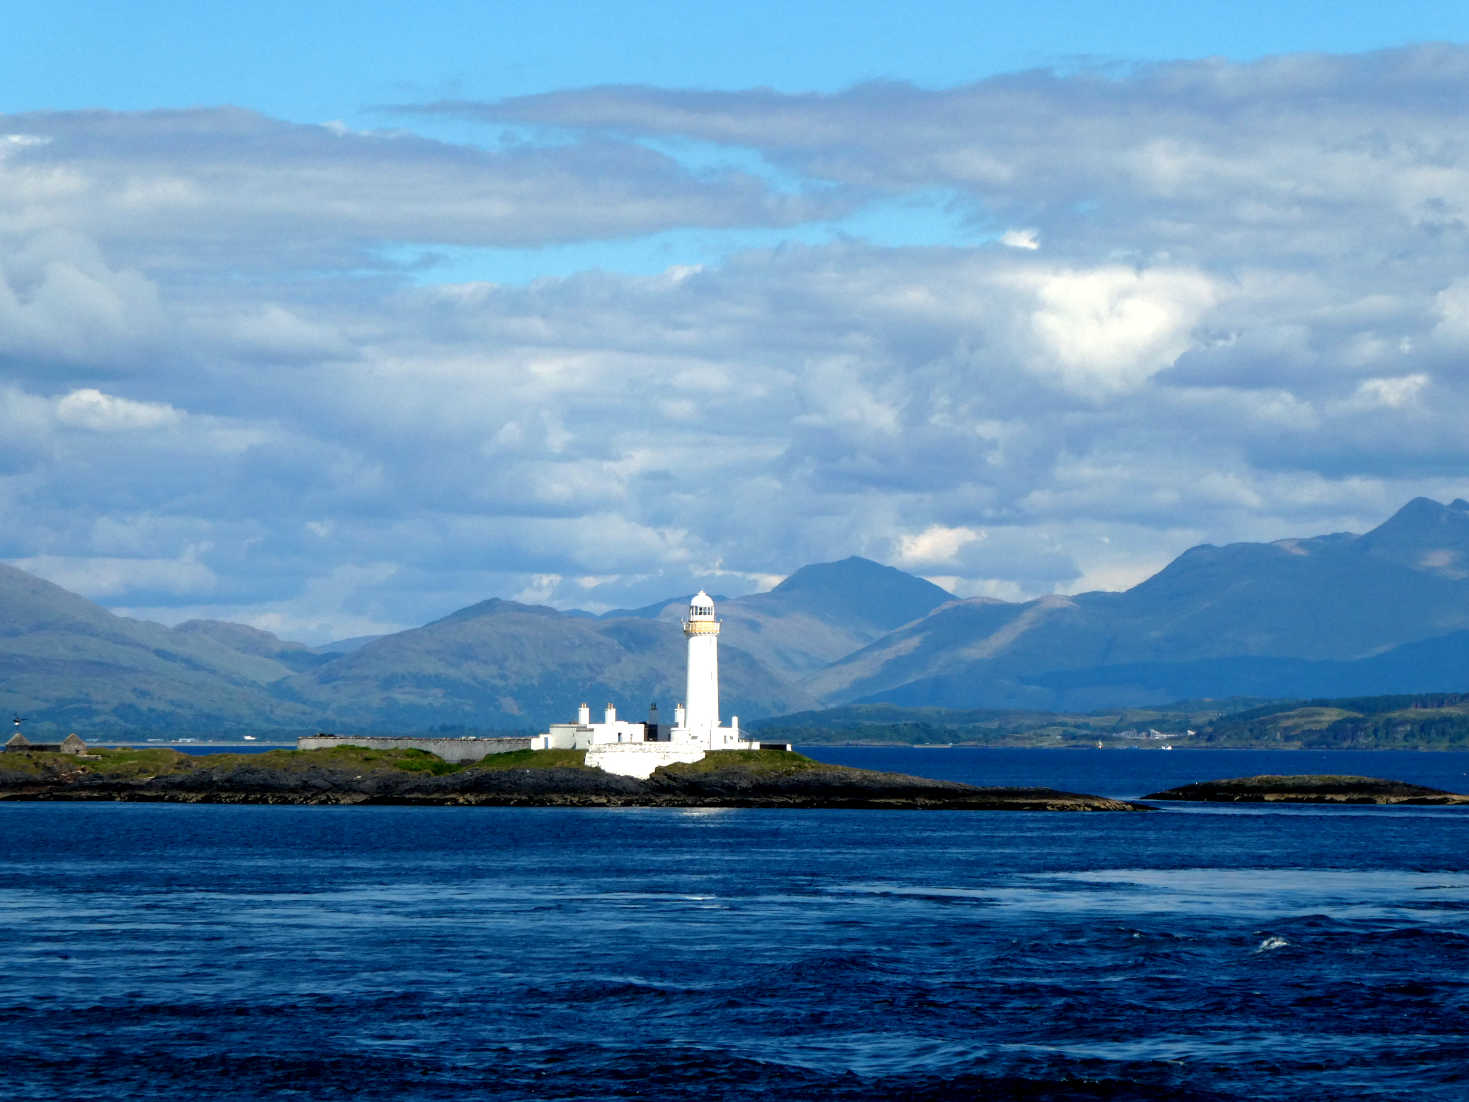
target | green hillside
[{"x": 1428, "y": 721}]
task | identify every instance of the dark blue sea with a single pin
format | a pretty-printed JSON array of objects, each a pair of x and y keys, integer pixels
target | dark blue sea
[{"x": 1199, "y": 952}]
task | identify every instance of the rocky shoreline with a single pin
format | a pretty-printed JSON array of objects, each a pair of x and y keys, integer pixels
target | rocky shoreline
[
  {"x": 1310, "y": 788},
  {"x": 728, "y": 779},
  {"x": 349, "y": 776}
]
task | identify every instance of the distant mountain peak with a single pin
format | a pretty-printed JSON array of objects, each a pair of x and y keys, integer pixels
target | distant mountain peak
[
  {"x": 1423, "y": 518},
  {"x": 1424, "y": 535},
  {"x": 823, "y": 575},
  {"x": 881, "y": 595},
  {"x": 1425, "y": 509},
  {"x": 1419, "y": 505},
  {"x": 495, "y": 606}
]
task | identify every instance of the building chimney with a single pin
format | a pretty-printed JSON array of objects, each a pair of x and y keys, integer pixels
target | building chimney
[
  {"x": 611, "y": 713},
  {"x": 584, "y": 716}
]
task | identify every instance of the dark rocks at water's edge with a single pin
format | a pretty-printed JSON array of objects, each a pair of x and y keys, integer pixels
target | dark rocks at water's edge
[
  {"x": 331, "y": 778},
  {"x": 1311, "y": 788},
  {"x": 770, "y": 779},
  {"x": 840, "y": 786}
]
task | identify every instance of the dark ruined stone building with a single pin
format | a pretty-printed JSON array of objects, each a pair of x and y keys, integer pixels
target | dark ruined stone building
[{"x": 72, "y": 744}]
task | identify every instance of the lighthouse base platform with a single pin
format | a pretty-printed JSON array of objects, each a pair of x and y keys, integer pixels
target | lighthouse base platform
[{"x": 632, "y": 759}]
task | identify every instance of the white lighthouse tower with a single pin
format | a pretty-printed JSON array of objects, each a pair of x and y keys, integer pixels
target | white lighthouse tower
[
  {"x": 701, "y": 696},
  {"x": 636, "y": 749}
]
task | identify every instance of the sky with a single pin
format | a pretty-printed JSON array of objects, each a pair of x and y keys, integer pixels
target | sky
[{"x": 334, "y": 318}]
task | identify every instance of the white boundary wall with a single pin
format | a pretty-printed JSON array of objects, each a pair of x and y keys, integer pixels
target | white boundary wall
[{"x": 640, "y": 759}]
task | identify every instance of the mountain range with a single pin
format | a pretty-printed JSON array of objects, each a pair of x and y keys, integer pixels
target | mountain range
[{"x": 1384, "y": 612}]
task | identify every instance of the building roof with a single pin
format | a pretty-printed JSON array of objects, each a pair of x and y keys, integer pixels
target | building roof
[{"x": 72, "y": 744}]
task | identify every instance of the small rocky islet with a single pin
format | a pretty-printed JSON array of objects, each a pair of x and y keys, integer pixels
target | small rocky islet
[
  {"x": 1316, "y": 788},
  {"x": 542, "y": 778}
]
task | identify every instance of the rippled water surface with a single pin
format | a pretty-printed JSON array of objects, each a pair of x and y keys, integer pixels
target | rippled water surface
[{"x": 182, "y": 952}]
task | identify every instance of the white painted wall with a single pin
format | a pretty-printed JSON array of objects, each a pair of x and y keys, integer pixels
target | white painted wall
[
  {"x": 584, "y": 736},
  {"x": 639, "y": 760}
]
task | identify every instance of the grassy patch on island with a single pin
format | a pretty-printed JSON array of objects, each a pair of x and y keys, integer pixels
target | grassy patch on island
[
  {"x": 128, "y": 762},
  {"x": 768, "y": 762},
  {"x": 132, "y": 763},
  {"x": 122, "y": 762},
  {"x": 159, "y": 762},
  {"x": 535, "y": 759},
  {"x": 407, "y": 760}
]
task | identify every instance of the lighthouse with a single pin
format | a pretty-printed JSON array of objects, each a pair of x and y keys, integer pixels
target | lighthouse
[
  {"x": 701, "y": 696},
  {"x": 636, "y": 749}
]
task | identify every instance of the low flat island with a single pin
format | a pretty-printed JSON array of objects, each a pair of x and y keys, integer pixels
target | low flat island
[
  {"x": 1314, "y": 788},
  {"x": 548, "y": 778}
]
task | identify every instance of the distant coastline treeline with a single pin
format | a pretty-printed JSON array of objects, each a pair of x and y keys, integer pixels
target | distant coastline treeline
[{"x": 1421, "y": 721}]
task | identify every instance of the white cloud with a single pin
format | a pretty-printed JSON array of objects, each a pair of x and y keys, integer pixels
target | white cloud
[
  {"x": 61, "y": 301},
  {"x": 993, "y": 589},
  {"x": 1113, "y": 327},
  {"x": 187, "y": 190},
  {"x": 1117, "y": 575},
  {"x": 271, "y": 331},
  {"x": 1021, "y": 239},
  {"x": 89, "y": 408},
  {"x": 540, "y": 590},
  {"x": 110, "y": 579},
  {"x": 1248, "y": 320},
  {"x": 13, "y": 142},
  {"x": 1390, "y": 393},
  {"x": 935, "y": 545},
  {"x": 327, "y": 608},
  {"x": 1452, "y": 307}
]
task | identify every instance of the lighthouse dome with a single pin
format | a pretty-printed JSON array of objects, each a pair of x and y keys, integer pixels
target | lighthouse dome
[{"x": 701, "y": 606}]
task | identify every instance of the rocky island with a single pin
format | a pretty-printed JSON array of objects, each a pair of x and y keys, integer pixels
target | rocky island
[
  {"x": 1318, "y": 788},
  {"x": 550, "y": 778}
]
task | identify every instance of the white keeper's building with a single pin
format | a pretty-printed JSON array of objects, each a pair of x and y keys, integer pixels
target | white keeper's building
[{"x": 635, "y": 749}]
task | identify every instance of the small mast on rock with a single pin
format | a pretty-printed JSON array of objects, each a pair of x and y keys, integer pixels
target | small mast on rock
[{"x": 636, "y": 749}]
